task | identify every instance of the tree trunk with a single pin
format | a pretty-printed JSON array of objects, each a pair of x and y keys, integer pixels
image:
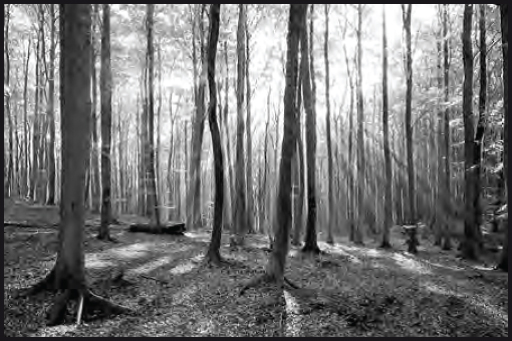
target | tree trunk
[
  {"x": 503, "y": 264},
  {"x": 41, "y": 176},
  {"x": 388, "y": 203},
  {"x": 298, "y": 213},
  {"x": 330, "y": 216},
  {"x": 250, "y": 182},
  {"x": 150, "y": 171},
  {"x": 361, "y": 181},
  {"x": 51, "y": 112},
  {"x": 194, "y": 192},
  {"x": 213, "y": 254},
  {"x": 25, "y": 168},
  {"x": 308, "y": 89},
  {"x": 351, "y": 173},
  {"x": 240, "y": 211},
  {"x": 446, "y": 148},
  {"x": 228, "y": 222},
  {"x": 95, "y": 165},
  {"x": 106, "y": 126},
  {"x": 283, "y": 213},
  {"x": 35, "y": 130},
  {"x": 469, "y": 245}
]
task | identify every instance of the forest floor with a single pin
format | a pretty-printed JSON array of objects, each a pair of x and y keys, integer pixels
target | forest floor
[{"x": 349, "y": 291}]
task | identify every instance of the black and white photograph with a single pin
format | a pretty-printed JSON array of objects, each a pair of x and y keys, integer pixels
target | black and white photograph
[{"x": 255, "y": 170}]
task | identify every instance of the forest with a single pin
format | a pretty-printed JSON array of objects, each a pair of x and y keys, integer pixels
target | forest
[{"x": 256, "y": 170}]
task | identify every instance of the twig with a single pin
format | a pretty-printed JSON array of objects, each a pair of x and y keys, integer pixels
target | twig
[{"x": 80, "y": 310}]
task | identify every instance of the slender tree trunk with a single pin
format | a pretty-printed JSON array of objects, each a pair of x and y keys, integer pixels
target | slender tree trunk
[
  {"x": 106, "y": 126},
  {"x": 308, "y": 88},
  {"x": 213, "y": 250},
  {"x": 35, "y": 133},
  {"x": 240, "y": 211},
  {"x": 299, "y": 170},
  {"x": 229, "y": 184},
  {"x": 250, "y": 182},
  {"x": 330, "y": 216},
  {"x": 409, "y": 132},
  {"x": 41, "y": 177},
  {"x": 469, "y": 245},
  {"x": 351, "y": 172},
  {"x": 447, "y": 152},
  {"x": 95, "y": 158},
  {"x": 151, "y": 174},
  {"x": 361, "y": 185},
  {"x": 388, "y": 204},
  {"x": 25, "y": 168},
  {"x": 503, "y": 264},
  {"x": 51, "y": 112}
]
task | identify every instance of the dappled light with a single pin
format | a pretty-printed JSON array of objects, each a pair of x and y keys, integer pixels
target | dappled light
[
  {"x": 410, "y": 264},
  {"x": 256, "y": 170},
  {"x": 187, "y": 266}
]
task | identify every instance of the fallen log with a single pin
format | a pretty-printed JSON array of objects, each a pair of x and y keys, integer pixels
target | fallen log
[{"x": 172, "y": 229}]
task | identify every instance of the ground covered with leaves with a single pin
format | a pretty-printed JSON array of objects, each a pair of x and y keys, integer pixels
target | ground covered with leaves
[{"x": 348, "y": 291}]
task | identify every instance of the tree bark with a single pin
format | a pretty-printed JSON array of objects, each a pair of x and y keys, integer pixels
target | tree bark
[
  {"x": 106, "y": 126},
  {"x": 503, "y": 264},
  {"x": 51, "y": 112},
  {"x": 150, "y": 171},
  {"x": 330, "y": 216},
  {"x": 469, "y": 245},
  {"x": 308, "y": 89},
  {"x": 213, "y": 254},
  {"x": 250, "y": 181},
  {"x": 388, "y": 200},
  {"x": 283, "y": 213},
  {"x": 240, "y": 211},
  {"x": 25, "y": 169},
  {"x": 361, "y": 161}
]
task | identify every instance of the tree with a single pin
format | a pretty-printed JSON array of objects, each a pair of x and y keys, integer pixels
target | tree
[
  {"x": 308, "y": 92},
  {"x": 106, "y": 126},
  {"x": 274, "y": 271},
  {"x": 406, "y": 16},
  {"x": 240, "y": 211},
  {"x": 446, "y": 128},
  {"x": 95, "y": 166},
  {"x": 194, "y": 188},
  {"x": 213, "y": 255},
  {"x": 250, "y": 190},
  {"x": 51, "y": 111},
  {"x": 361, "y": 162},
  {"x": 150, "y": 170},
  {"x": 68, "y": 274},
  {"x": 388, "y": 208},
  {"x": 330, "y": 220},
  {"x": 469, "y": 245},
  {"x": 7, "y": 114},
  {"x": 503, "y": 264}
]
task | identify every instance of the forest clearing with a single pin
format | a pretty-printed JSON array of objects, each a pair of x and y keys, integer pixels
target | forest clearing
[{"x": 256, "y": 170}]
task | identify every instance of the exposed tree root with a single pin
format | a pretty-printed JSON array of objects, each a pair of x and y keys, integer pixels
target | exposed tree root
[
  {"x": 213, "y": 259},
  {"x": 46, "y": 284},
  {"x": 268, "y": 279},
  {"x": 386, "y": 245},
  {"x": 315, "y": 250},
  {"x": 91, "y": 304}
]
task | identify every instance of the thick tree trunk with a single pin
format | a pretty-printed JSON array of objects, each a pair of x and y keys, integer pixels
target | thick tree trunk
[
  {"x": 469, "y": 245},
  {"x": 388, "y": 200},
  {"x": 330, "y": 216},
  {"x": 106, "y": 126},
  {"x": 308, "y": 89},
  {"x": 283, "y": 213},
  {"x": 213, "y": 254},
  {"x": 240, "y": 210}
]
